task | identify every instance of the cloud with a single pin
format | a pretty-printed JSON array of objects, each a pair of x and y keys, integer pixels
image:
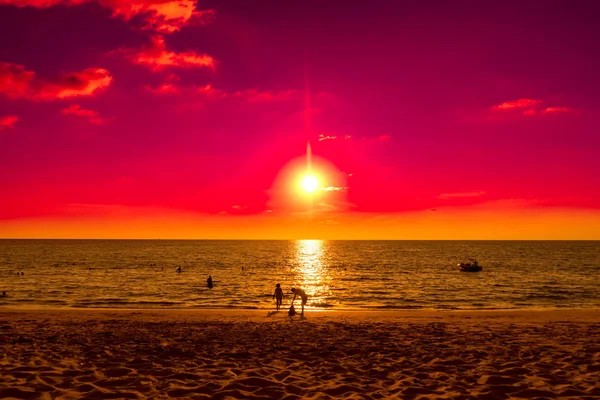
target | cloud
[
  {"x": 208, "y": 92},
  {"x": 165, "y": 88},
  {"x": 526, "y": 108},
  {"x": 91, "y": 115},
  {"x": 322, "y": 137},
  {"x": 517, "y": 104},
  {"x": 251, "y": 95},
  {"x": 8, "y": 121},
  {"x": 171, "y": 16},
  {"x": 165, "y": 16},
  {"x": 237, "y": 209},
  {"x": 508, "y": 203},
  {"x": 380, "y": 138},
  {"x": 462, "y": 195},
  {"x": 329, "y": 207},
  {"x": 254, "y": 95},
  {"x": 155, "y": 56},
  {"x": 18, "y": 83},
  {"x": 558, "y": 110}
]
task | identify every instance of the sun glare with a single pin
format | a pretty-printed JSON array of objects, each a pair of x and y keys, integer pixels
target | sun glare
[{"x": 310, "y": 183}]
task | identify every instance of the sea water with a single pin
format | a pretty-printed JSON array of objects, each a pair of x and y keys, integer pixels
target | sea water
[{"x": 336, "y": 275}]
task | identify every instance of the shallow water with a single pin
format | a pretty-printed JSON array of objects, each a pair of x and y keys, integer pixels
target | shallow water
[{"x": 335, "y": 274}]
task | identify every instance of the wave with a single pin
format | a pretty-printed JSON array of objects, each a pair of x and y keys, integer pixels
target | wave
[
  {"x": 365, "y": 278},
  {"x": 322, "y": 305},
  {"x": 396, "y": 307},
  {"x": 545, "y": 296}
]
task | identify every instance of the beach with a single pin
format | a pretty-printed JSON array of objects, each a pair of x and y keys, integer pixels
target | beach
[{"x": 227, "y": 354}]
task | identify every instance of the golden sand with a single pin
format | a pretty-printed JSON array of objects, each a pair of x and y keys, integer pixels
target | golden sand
[{"x": 102, "y": 354}]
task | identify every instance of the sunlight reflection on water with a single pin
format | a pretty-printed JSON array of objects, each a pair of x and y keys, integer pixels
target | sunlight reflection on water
[{"x": 312, "y": 271}]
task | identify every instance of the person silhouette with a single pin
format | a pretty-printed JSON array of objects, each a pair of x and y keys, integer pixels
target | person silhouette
[
  {"x": 279, "y": 295},
  {"x": 303, "y": 296},
  {"x": 209, "y": 282},
  {"x": 179, "y": 270}
]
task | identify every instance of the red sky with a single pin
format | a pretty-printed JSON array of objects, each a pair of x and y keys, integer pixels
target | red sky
[{"x": 185, "y": 119}]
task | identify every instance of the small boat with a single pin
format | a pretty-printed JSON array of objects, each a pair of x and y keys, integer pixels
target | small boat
[{"x": 471, "y": 266}]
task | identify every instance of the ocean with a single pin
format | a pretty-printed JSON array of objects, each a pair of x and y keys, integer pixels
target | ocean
[{"x": 337, "y": 275}]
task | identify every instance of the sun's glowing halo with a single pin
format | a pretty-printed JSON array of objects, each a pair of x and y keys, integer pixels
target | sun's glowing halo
[{"x": 309, "y": 183}]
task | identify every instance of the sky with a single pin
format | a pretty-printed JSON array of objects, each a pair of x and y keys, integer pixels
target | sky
[{"x": 199, "y": 119}]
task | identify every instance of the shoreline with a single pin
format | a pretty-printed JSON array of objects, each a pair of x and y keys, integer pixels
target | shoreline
[
  {"x": 11, "y": 307},
  {"x": 576, "y": 314}
]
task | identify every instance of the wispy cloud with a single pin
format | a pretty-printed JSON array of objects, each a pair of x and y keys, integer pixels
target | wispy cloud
[
  {"x": 322, "y": 137},
  {"x": 380, "y": 138},
  {"x": 208, "y": 92},
  {"x": 517, "y": 104},
  {"x": 528, "y": 108},
  {"x": 254, "y": 95},
  {"x": 250, "y": 95},
  {"x": 165, "y": 88},
  {"x": 558, "y": 110},
  {"x": 92, "y": 116},
  {"x": 237, "y": 209},
  {"x": 165, "y": 16},
  {"x": 18, "y": 83},
  {"x": 8, "y": 121},
  {"x": 445, "y": 196},
  {"x": 156, "y": 56},
  {"x": 335, "y": 188}
]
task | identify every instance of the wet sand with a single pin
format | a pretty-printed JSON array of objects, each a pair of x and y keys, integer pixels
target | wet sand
[{"x": 94, "y": 354}]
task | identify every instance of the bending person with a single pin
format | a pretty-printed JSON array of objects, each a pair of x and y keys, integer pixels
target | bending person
[{"x": 303, "y": 296}]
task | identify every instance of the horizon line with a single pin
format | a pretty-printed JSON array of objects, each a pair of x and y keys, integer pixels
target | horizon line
[{"x": 338, "y": 240}]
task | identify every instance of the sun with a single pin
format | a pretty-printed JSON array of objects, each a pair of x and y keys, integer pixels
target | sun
[{"x": 310, "y": 183}]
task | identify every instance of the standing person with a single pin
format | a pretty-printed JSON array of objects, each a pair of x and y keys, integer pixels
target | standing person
[
  {"x": 279, "y": 295},
  {"x": 209, "y": 282},
  {"x": 303, "y": 296}
]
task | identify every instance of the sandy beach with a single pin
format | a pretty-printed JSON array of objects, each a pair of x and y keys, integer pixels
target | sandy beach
[{"x": 102, "y": 354}]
